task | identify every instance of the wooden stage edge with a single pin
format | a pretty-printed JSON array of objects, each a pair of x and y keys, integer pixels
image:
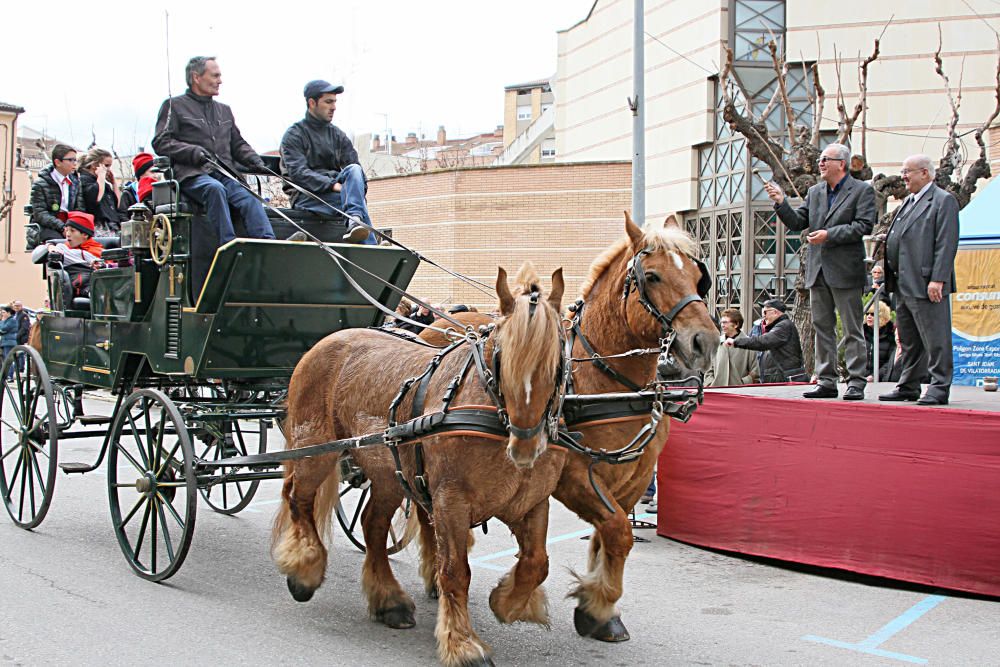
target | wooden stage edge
[{"x": 962, "y": 398}]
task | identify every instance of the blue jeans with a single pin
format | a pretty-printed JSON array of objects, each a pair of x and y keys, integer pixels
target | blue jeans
[
  {"x": 350, "y": 199},
  {"x": 6, "y": 350},
  {"x": 217, "y": 193}
]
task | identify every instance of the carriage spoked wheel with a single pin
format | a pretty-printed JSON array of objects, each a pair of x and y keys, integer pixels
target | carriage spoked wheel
[
  {"x": 223, "y": 441},
  {"x": 28, "y": 437},
  {"x": 151, "y": 484},
  {"x": 355, "y": 490}
]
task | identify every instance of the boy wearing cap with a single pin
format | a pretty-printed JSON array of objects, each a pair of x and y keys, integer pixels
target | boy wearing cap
[
  {"x": 317, "y": 156},
  {"x": 142, "y": 165},
  {"x": 81, "y": 253},
  {"x": 200, "y": 137},
  {"x": 55, "y": 192}
]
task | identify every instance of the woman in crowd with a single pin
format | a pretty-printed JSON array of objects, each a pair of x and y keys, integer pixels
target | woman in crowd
[
  {"x": 97, "y": 180},
  {"x": 886, "y": 341}
]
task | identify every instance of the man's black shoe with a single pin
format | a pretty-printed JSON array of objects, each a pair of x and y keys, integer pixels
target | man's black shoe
[
  {"x": 897, "y": 395},
  {"x": 854, "y": 394},
  {"x": 821, "y": 392},
  {"x": 930, "y": 400}
]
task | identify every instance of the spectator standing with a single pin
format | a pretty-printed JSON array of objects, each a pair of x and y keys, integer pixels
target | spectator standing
[
  {"x": 733, "y": 365},
  {"x": 920, "y": 254},
  {"x": 316, "y": 155},
  {"x": 54, "y": 193},
  {"x": 23, "y": 328},
  {"x": 838, "y": 212},
  {"x": 886, "y": 342},
  {"x": 97, "y": 181},
  {"x": 8, "y": 335},
  {"x": 194, "y": 131},
  {"x": 782, "y": 358}
]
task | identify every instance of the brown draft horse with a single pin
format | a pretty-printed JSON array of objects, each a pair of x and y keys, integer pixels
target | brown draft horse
[
  {"x": 614, "y": 325},
  {"x": 343, "y": 388}
]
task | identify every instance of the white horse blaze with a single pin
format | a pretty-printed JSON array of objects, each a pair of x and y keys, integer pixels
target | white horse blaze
[{"x": 678, "y": 262}]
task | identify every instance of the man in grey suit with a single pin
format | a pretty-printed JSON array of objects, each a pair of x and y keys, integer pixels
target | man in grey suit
[
  {"x": 920, "y": 270},
  {"x": 838, "y": 212}
]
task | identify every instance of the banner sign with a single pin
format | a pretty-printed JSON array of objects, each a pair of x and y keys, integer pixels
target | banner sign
[{"x": 975, "y": 314}]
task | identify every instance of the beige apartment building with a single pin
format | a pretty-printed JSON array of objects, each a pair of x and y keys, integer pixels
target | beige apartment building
[
  {"x": 19, "y": 278},
  {"x": 694, "y": 164}
]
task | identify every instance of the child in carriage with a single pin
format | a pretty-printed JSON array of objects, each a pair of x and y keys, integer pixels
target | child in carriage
[{"x": 81, "y": 253}]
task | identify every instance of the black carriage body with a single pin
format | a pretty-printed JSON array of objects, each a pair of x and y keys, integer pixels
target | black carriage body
[{"x": 262, "y": 306}]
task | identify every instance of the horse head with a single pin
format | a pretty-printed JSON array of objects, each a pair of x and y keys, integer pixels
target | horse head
[
  {"x": 528, "y": 337},
  {"x": 664, "y": 286}
]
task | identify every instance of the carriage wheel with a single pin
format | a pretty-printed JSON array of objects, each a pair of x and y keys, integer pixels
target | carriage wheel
[
  {"x": 354, "y": 493},
  {"x": 28, "y": 445},
  {"x": 231, "y": 497},
  {"x": 151, "y": 484}
]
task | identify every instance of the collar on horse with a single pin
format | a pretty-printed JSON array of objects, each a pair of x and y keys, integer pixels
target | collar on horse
[{"x": 489, "y": 377}]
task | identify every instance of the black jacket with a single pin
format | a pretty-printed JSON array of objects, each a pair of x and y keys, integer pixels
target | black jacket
[
  {"x": 312, "y": 154},
  {"x": 191, "y": 128},
  {"x": 23, "y": 327},
  {"x": 782, "y": 350},
  {"x": 45, "y": 201},
  {"x": 886, "y": 349},
  {"x": 105, "y": 210}
]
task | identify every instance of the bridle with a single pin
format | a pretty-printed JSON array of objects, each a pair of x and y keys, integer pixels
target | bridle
[
  {"x": 635, "y": 280},
  {"x": 491, "y": 383}
]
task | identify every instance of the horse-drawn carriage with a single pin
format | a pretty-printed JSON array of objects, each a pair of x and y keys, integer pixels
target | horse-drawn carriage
[
  {"x": 198, "y": 373},
  {"x": 199, "y": 361}
]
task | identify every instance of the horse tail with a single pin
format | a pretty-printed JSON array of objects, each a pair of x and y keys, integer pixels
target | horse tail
[{"x": 327, "y": 497}]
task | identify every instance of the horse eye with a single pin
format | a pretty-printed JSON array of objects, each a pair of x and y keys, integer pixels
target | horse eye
[{"x": 652, "y": 277}]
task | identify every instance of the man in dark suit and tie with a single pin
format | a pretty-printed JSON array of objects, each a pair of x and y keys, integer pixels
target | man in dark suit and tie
[
  {"x": 838, "y": 212},
  {"x": 920, "y": 270}
]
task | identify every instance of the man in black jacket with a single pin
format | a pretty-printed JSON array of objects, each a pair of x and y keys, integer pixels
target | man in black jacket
[
  {"x": 316, "y": 155},
  {"x": 55, "y": 192},
  {"x": 195, "y": 131},
  {"x": 838, "y": 212},
  {"x": 782, "y": 358}
]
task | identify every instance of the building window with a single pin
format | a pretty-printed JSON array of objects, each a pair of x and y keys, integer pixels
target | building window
[
  {"x": 549, "y": 148},
  {"x": 524, "y": 113},
  {"x": 754, "y": 21}
]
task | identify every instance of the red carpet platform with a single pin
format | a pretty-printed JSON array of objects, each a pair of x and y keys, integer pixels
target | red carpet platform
[{"x": 887, "y": 489}]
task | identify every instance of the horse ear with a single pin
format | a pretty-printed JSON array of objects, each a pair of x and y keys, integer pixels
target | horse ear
[
  {"x": 503, "y": 291},
  {"x": 633, "y": 231},
  {"x": 558, "y": 287},
  {"x": 671, "y": 221}
]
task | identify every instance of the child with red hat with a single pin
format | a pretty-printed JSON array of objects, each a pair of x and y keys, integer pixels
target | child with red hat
[
  {"x": 132, "y": 194},
  {"x": 81, "y": 253}
]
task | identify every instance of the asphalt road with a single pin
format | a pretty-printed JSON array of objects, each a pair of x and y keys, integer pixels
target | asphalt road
[{"x": 69, "y": 598}]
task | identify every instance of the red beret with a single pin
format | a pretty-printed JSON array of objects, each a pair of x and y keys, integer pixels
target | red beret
[
  {"x": 141, "y": 163},
  {"x": 81, "y": 221}
]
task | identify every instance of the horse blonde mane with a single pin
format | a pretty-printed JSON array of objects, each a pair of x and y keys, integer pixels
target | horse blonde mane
[
  {"x": 656, "y": 237},
  {"x": 529, "y": 342}
]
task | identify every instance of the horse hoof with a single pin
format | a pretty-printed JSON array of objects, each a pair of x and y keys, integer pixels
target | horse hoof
[
  {"x": 399, "y": 617},
  {"x": 484, "y": 661},
  {"x": 298, "y": 591},
  {"x": 611, "y": 631},
  {"x": 432, "y": 593}
]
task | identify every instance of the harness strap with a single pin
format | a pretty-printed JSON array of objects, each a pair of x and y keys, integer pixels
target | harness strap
[{"x": 595, "y": 357}]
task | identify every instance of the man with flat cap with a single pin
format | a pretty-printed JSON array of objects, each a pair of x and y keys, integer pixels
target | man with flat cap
[
  {"x": 779, "y": 341},
  {"x": 317, "y": 156}
]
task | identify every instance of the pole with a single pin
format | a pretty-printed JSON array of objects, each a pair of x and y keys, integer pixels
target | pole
[{"x": 638, "y": 117}]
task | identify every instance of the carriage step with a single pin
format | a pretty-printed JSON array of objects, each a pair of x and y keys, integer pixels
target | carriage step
[
  {"x": 90, "y": 420},
  {"x": 70, "y": 468}
]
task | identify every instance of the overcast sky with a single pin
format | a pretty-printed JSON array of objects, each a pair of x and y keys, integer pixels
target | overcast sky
[{"x": 75, "y": 66}]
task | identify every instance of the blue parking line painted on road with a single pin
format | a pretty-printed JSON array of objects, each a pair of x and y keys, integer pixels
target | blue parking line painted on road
[
  {"x": 483, "y": 561},
  {"x": 871, "y": 643}
]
